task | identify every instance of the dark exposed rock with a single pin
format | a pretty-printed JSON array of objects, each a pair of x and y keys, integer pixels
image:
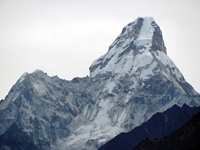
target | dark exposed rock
[{"x": 157, "y": 40}]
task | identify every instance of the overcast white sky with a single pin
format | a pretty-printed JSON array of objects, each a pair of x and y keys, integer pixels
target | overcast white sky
[{"x": 64, "y": 37}]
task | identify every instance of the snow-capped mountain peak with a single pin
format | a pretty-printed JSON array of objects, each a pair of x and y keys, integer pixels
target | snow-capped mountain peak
[{"x": 132, "y": 48}]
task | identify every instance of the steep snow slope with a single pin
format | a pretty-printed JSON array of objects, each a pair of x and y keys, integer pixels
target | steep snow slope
[{"x": 130, "y": 51}]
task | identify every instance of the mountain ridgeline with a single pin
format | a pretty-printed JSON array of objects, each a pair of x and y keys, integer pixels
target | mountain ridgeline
[{"x": 133, "y": 81}]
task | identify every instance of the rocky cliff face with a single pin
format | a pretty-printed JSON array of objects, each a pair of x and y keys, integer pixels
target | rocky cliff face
[
  {"x": 132, "y": 81},
  {"x": 41, "y": 108}
]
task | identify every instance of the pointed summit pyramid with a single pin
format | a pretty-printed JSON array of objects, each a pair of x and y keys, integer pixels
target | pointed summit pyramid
[
  {"x": 139, "y": 51},
  {"x": 132, "y": 48}
]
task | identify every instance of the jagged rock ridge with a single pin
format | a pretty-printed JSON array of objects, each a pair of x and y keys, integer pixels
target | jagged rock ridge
[{"x": 132, "y": 81}]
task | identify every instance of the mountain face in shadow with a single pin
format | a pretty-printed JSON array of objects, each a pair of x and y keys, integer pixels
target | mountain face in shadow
[{"x": 185, "y": 138}]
